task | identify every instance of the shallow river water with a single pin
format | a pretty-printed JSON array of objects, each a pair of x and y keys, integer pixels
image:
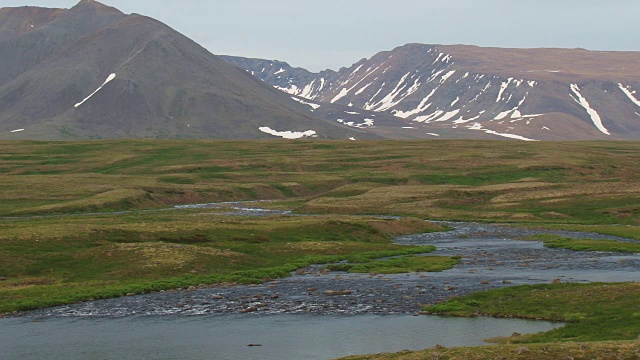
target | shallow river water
[{"x": 227, "y": 337}]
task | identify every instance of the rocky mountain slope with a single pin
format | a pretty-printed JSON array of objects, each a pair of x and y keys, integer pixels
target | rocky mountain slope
[
  {"x": 93, "y": 72},
  {"x": 429, "y": 91}
]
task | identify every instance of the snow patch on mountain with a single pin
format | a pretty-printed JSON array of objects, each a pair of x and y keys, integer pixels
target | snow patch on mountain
[
  {"x": 291, "y": 90},
  {"x": 307, "y": 90},
  {"x": 288, "y": 134},
  {"x": 356, "y": 70},
  {"x": 344, "y": 92},
  {"x": 434, "y": 75},
  {"x": 363, "y": 89},
  {"x": 449, "y": 115},
  {"x": 630, "y": 94},
  {"x": 402, "y": 90},
  {"x": 109, "y": 79},
  {"x": 427, "y": 118},
  {"x": 312, "y": 105},
  {"x": 463, "y": 121},
  {"x": 368, "y": 122},
  {"x": 515, "y": 112},
  {"x": 421, "y": 107},
  {"x": 365, "y": 124},
  {"x": 447, "y": 76},
  {"x": 582, "y": 101},
  {"x": 503, "y": 114},
  {"x": 503, "y": 87},
  {"x": 478, "y": 126}
]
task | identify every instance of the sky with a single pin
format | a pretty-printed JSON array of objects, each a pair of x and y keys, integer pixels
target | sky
[{"x": 337, "y": 33}]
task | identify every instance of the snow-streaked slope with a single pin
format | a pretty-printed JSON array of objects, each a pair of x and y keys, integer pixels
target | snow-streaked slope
[{"x": 511, "y": 93}]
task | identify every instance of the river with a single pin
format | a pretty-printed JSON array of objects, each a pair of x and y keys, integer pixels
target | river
[
  {"x": 292, "y": 337},
  {"x": 294, "y": 318}
]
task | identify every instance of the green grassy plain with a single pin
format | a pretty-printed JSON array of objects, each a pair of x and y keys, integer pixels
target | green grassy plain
[
  {"x": 595, "y": 183},
  {"x": 49, "y": 258}
]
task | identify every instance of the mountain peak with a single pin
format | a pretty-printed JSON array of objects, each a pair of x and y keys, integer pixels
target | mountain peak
[
  {"x": 92, "y": 2},
  {"x": 95, "y": 5}
]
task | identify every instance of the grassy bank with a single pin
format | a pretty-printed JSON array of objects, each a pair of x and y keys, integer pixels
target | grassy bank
[
  {"x": 594, "y": 312},
  {"x": 614, "y": 350},
  {"x": 602, "y": 323},
  {"x": 560, "y": 242},
  {"x": 398, "y": 265},
  {"x": 627, "y": 231}
]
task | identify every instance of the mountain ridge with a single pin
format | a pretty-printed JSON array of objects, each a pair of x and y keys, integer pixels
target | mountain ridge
[
  {"x": 93, "y": 72},
  {"x": 462, "y": 91}
]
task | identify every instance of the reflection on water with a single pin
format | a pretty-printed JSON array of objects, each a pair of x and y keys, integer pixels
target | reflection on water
[{"x": 228, "y": 337}]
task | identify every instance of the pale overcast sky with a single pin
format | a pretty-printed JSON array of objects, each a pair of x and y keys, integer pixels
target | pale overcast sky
[{"x": 335, "y": 33}]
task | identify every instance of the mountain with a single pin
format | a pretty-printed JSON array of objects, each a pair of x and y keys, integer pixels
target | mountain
[
  {"x": 472, "y": 92},
  {"x": 93, "y": 72}
]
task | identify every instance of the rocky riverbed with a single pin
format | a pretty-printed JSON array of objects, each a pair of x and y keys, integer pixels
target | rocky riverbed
[{"x": 492, "y": 257}]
